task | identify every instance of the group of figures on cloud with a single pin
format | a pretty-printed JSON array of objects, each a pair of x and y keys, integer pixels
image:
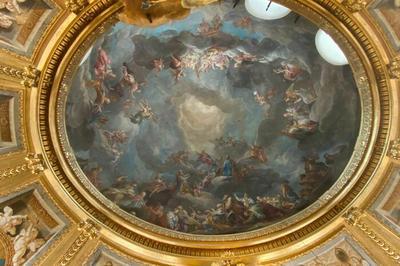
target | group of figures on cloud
[
  {"x": 299, "y": 98},
  {"x": 204, "y": 196},
  {"x": 228, "y": 214},
  {"x": 24, "y": 234},
  {"x": 127, "y": 83}
]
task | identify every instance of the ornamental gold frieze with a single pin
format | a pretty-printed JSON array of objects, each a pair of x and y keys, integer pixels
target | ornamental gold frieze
[{"x": 376, "y": 107}]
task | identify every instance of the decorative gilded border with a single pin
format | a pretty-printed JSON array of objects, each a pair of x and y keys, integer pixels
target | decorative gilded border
[{"x": 316, "y": 11}]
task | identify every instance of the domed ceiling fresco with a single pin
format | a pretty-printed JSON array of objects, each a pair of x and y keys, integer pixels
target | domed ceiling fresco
[{"x": 219, "y": 123}]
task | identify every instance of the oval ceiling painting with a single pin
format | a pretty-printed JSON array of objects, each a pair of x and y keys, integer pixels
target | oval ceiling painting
[{"x": 219, "y": 123}]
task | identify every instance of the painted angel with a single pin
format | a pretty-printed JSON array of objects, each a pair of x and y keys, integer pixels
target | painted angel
[
  {"x": 114, "y": 137},
  {"x": 8, "y": 221},
  {"x": 246, "y": 200},
  {"x": 145, "y": 113},
  {"x": 257, "y": 153},
  {"x": 102, "y": 67},
  {"x": 158, "y": 64},
  {"x": 101, "y": 97},
  {"x": 26, "y": 240},
  {"x": 176, "y": 67},
  {"x": 290, "y": 71},
  {"x": 128, "y": 80}
]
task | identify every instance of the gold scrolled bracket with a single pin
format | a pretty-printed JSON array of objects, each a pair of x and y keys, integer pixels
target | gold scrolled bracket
[
  {"x": 354, "y": 5},
  {"x": 394, "y": 68},
  {"x": 227, "y": 259},
  {"x": 30, "y": 77},
  {"x": 354, "y": 218},
  {"x": 88, "y": 230},
  {"x": 33, "y": 163},
  {"x": 76, "y": 6},
  {"x": 394, "y": 149}
]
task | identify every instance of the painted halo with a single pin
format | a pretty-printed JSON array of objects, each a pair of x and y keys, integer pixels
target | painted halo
[{"x": 220, "y": 123}]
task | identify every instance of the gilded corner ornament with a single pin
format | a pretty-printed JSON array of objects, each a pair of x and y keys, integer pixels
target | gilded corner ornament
[
  {"x": 76, "y": 6},
  {"x": 88, "y": 230},
  {"x": 34, "y": 163},
  {"x": 30, "y": 77},
  {"x": 352, "y": 215},
  {"x": 394, "y": 149},
  {"x": 354, "y": 5},
  {"x": 394, "y": 68}
]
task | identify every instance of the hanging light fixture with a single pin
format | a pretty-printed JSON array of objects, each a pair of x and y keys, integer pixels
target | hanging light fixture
[
  {"x": 266, "y": 9},
  {"x": 329, "y": 50}
]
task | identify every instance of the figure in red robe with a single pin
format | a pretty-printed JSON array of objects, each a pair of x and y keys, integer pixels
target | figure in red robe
[{"x": 102, "y": 67}]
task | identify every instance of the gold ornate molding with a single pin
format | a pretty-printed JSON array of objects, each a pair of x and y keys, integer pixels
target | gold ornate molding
[
  {"x": 394, "y": 68},
  {"x": 76, "y": 6},
  {"x": 33, "y": 163},
  {"x": 88, "y": 231},
  {"x": 11, "y": 72},
  {"x": 13, "y": 171},
  {"x": 354, "y": 5},
  {"x": 394, "y": 149},
  {"x": 29, "y": 76},
  {"x": 354, "y": 217}
]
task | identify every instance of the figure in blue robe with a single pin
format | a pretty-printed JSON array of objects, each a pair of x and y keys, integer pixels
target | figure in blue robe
[{"x": 227, "y": 171}]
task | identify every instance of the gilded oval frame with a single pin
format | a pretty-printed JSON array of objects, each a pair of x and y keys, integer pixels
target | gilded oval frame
[{"x": 376, "y": 114}]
